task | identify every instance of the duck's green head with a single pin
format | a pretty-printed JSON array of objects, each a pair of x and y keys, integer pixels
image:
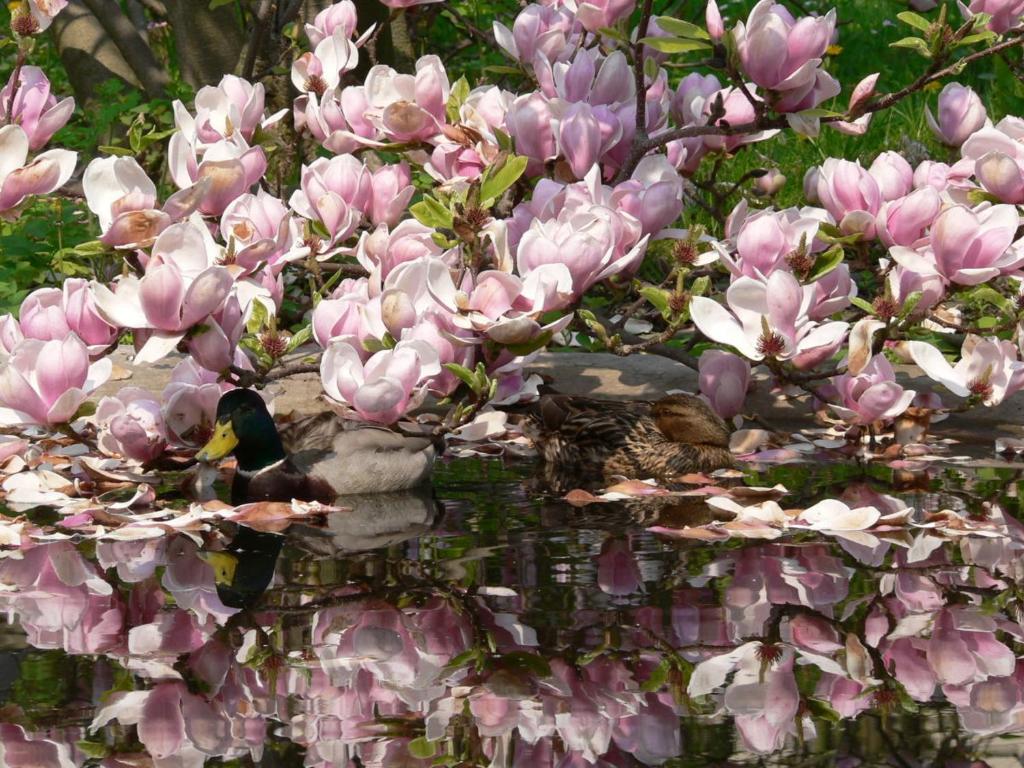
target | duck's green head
[{"x": 244, "y": 427}]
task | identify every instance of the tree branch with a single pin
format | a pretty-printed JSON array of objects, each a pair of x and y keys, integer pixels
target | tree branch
[
  {"x": 135, "y": 50},
  {"x": 641, "y": 146},
  {"x": 258, "y": 37}
]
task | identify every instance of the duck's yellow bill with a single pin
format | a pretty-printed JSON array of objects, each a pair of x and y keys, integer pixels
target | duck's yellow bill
[
  {"x": 223, "y": 564},
  {"x": 221, "y": 444}
]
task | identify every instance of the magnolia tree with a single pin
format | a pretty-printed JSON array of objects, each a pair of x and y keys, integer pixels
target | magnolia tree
[{"x": 443, "y": 233}]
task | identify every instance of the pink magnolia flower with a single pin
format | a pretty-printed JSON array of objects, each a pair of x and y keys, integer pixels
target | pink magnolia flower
[
  {"x": 544, "y": 29},
  {"x": 44, "y": 11},
  {"x": 190, "y": 403},
  {"x": 342, "y": 315},
  {"x": 653, "y": 194},
  {"x": 387, "y": 386},
  {"x": 170, "y": 721},
  {"x": 233, "y": 106},
  {"x": 163, "y": 305},
  {"x": 987, "y": 369},
  {"x": 407, "y": 3},
  {"x": 893, "y": 174},
  {"x": 583, "y": 242},
  {"x": 967, "y": 246},
  {"x": 764, "y": 702},
  {"x": 336, "y": 192},
  {"x": 534, "y": 128},
  {"x": 905, "y": 220},
  {"x": 961, "y": 113},
  {"x": 53, "y": 313},
  {"x": 765, "y": 239},
  {"x": 260, "y": 229},
  {"x": 962, "y": 653},
  {"x": 770, "y": 183},
  {"x": 833, "y": 292},
  {"x": 131, "y": 425},
  {"x": 618, "y": 572},
  {"x": 35, "y": 108},
  {"x": 713, "y": 21},
  {"x": 341, "y": 15},
  {"x": 783, "y": 55},
  {"x": 408, "y": 107},
  {"x": 18, "y": 180},
  {"x": 691, "y": 96},
  {"x": 872, "y": 395},
  {"x": 452, "y": 344},
  {"x": 724, "y": 378},
  {"x": 1006, "y": 14},
  {"x": 338, "y": 122},
  {"x": 737, "y": 110},
  {"x": 322, "y": 69},
  {"x": 124, "y": 200},
  {"x": 850, "y": 194},
  {"x": 45, "y": 382},
  {"x": 385, "y": 248},
  {"x": 995, "y": 156},
  {"x": 769, "y": 319},
  {"x": 230, "y": 166},
  {"x": 392, "y": 191},
  {"x": 595, "y": 14}
]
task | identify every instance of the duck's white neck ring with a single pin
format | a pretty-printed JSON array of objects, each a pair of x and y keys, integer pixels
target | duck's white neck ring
[{"x": 261, "y": 470}]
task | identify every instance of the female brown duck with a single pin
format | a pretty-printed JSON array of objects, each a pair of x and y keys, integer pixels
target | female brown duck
[{"x": 674, "y": 436}]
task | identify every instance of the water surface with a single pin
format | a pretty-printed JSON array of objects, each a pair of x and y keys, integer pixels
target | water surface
[{"x": 491, "y": 623}]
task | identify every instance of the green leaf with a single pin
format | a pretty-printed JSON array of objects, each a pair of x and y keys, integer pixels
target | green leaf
[
  {"x": 465, "y": 375},
  {"x": 991, "y": 296},
  {"x": 861, "y": 304},
  {"x": 658, "y": 678},
  {"x": 459, "y": 92},
  {"x": 258, "y": 319},
  {"x": 682, "y": 28},
  {"x": 658, "y": 297},
  {"x": 614, "y": 34},
  {"x": 499, "y": 178},
  {"x": 503, "y": 69},
  {"x": 822, "y": 711},
  {"x": 300, "y": 337},
  {"x": 92, "y": 749},
  {"x": 915, "y": 20},
  {"x": 979, "y": 196},
  {"x": 215, "y": 4},
  {"x": 675, "y": 44},
  {"x": 504, "y": 140},
  {"x": 430, "y": 212},
  {"x": 700, "y": 286},
  {"x": 421, "y": 748},
  {"x": 826, "y": 262},
  {"x": 916, "y": 44},
  {"x": 117, "y": 151},
  {"x": 976, "y": 38},
  {"x": 533, "y": 345},
  {"x": 818, "y": 112},
  {"x": 910, "y": 304},
  {"x": 530, "y": 662},
  {"x": 85, "y": 410}
]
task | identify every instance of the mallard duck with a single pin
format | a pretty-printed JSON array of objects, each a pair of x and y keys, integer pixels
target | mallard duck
[
  {"x": 315, "y": 458},
  {"x": 674, "y": 436}
]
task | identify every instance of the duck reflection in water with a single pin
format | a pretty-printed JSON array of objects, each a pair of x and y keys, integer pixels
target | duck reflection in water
[{"x": 244, "y": 568}]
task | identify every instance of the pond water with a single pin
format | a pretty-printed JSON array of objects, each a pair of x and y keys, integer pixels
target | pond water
[{"x": 490, "y": 623}]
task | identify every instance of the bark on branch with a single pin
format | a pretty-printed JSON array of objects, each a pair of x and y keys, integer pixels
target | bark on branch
[{"x": 132, "y": 45}]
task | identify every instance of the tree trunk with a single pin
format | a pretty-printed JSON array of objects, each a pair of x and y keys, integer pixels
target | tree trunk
[
  {"x": 209, "y": 43},
  {"x": 87, "y": 53}
]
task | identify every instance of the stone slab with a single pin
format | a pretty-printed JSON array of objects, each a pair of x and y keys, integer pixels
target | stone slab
[{"x": 637, "y": 377}]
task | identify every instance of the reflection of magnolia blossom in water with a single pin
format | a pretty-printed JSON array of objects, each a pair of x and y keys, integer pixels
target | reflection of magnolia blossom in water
[{"x": 404, "y": 661}]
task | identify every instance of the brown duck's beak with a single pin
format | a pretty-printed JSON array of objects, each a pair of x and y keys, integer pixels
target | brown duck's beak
[{"x": 221, "y": 444}]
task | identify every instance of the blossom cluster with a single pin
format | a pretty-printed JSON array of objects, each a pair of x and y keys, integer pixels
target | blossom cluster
[{"x": 471, "y": 252}]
